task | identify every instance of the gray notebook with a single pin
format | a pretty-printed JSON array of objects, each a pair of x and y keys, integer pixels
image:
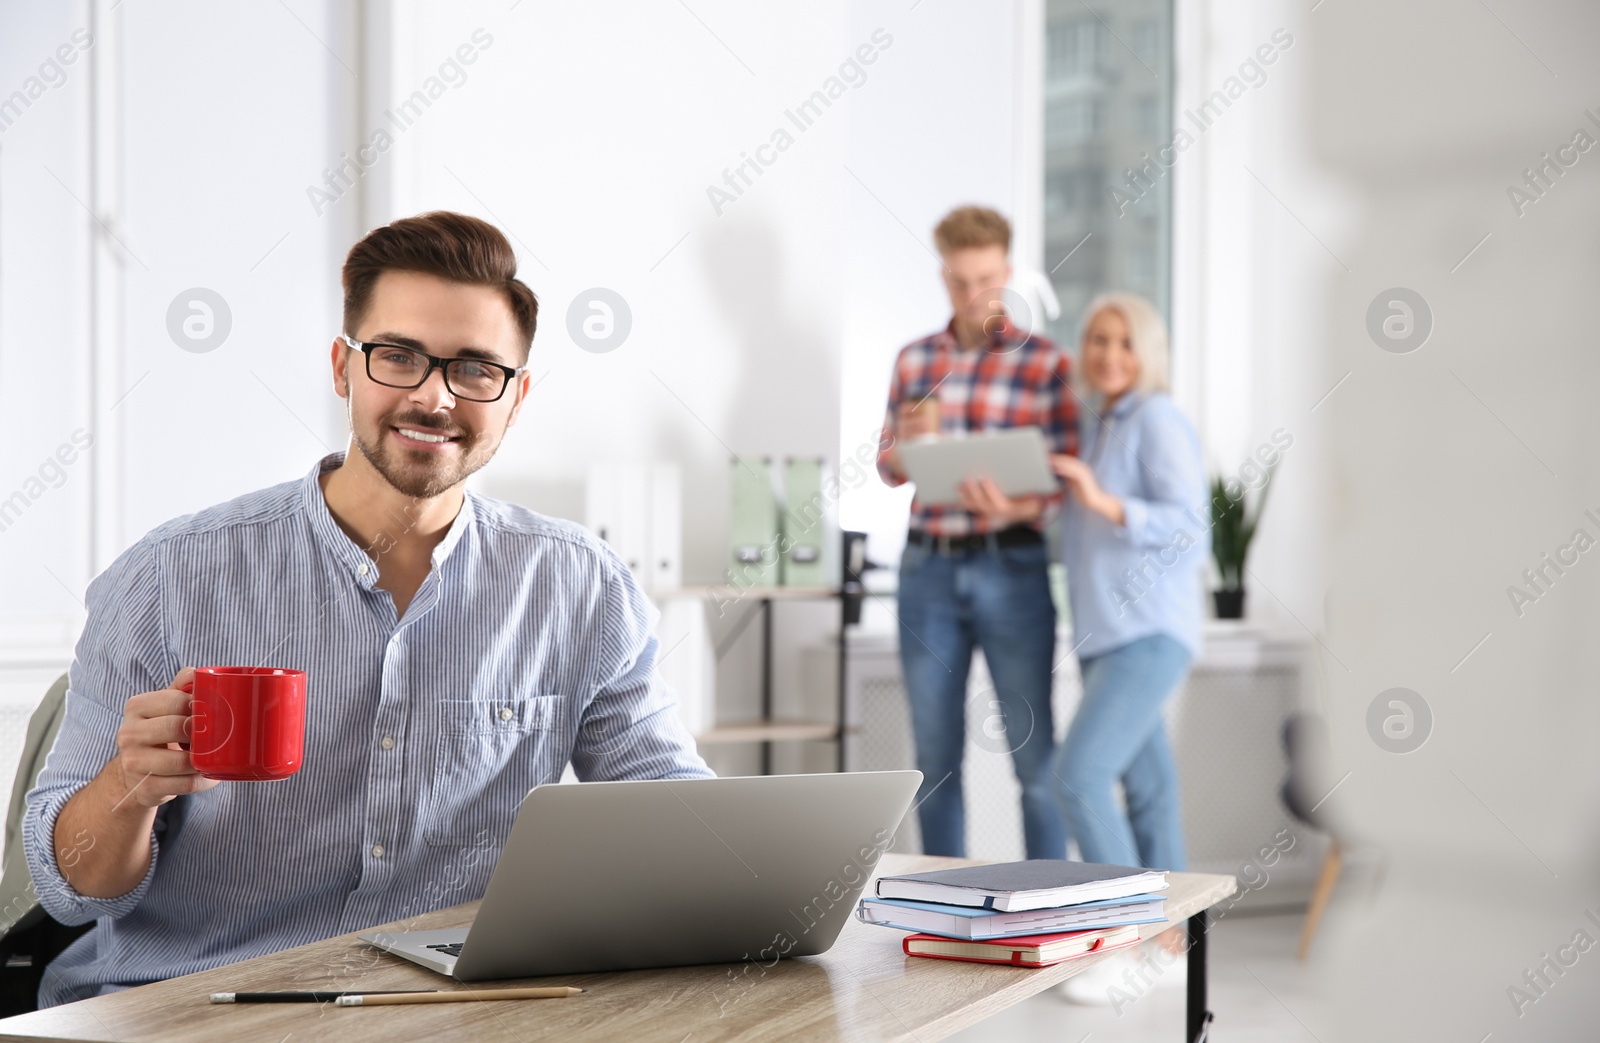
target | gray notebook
[{"x": 1038, "y": 883}]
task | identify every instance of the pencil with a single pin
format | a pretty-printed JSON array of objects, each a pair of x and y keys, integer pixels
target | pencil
[
  {"x": 292, "y": 997},
  {"x": 377, "y": 999}
]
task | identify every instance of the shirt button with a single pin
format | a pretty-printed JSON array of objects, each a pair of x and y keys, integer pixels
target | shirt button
[
  {"x": 377, "y": 850},
  {"x": 363, "y": 569},
  {"x": 387, "y": 743},
  {"x": 505, "y": 713}
]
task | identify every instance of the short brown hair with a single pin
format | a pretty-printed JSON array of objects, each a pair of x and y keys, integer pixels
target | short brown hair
[
  {"x": 972, "y": 226},
  {"x": 450, "y": 245}
]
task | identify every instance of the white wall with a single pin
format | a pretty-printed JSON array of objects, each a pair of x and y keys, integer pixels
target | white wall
[
  {"x": 44, "y": 372},
  {"x": 1389, "y": 135},
  {"x": 162, "y": 162},
  {"x": 227, "y": 114},
  {"x": 1243, "y": 283},
  {"x": 597, "y": 161},
  {"x": 194, "y": 166},
  {"x": 934, "y": 132}
]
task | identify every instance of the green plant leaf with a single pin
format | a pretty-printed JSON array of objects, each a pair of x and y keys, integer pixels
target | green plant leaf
[{"x": 1234, "y": 527}]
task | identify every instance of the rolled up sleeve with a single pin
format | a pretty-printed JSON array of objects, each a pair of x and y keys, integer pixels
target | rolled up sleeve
[
  {"x": 120, "y": 654},
  {"x": 886, "y": 439},
  {"x": 631, "y": 728}
]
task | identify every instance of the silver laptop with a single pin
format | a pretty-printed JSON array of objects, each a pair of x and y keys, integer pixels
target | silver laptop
[{"x": 606, "y": 876}]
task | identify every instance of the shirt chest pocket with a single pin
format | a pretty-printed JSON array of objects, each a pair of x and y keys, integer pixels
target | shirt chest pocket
[{"x": 487, "y": 754}]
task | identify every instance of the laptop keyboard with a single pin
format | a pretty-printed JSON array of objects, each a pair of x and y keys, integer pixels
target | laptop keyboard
[{"x": 448, "y": 948}]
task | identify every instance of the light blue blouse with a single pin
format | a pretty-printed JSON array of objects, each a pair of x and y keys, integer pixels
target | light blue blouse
[{"x": 1144, "y": 577}]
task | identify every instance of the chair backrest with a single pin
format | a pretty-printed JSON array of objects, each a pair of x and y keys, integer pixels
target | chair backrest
[
  {"x": 1307, "y": 748},
  {"x": 17, "y": 900},
  {"x": 29, "y": 937}
]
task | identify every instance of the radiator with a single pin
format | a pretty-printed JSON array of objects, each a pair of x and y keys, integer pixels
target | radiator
[{"x": 1224, "y": 724}]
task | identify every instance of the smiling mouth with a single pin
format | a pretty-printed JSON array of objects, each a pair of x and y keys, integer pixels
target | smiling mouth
[{"x": 424, "y": 436}]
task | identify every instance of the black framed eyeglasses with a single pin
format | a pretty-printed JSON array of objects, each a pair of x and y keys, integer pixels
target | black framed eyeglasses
[{"x": 397, "y": 366}]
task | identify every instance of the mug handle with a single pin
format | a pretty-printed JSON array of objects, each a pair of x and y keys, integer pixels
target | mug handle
[{"x": 190, "y": 689}]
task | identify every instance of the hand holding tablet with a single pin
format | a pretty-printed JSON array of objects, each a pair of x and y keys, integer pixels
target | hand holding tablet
[{"x": 1016, "y": 459}]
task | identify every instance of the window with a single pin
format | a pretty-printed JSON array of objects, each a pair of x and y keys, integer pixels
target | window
[
  {"x": 1147, "y": 116},
  {"x": 1146, "y": 41},
  {"x": 1107, "y": 116},
  {"x": 1074, "y": 45},
  {"x": 1070, "y": 120}
]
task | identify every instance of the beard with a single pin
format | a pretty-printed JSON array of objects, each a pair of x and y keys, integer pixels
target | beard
[{"x": 421, "y": 473}]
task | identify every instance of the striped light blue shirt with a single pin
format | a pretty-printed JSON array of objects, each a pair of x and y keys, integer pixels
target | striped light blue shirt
[{"x": 529, "y": 645}]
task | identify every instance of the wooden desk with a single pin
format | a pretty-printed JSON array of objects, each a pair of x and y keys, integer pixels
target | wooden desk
[{"x": 863, "y": 988}]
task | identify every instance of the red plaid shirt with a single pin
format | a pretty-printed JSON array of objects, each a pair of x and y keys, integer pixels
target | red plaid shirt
[{"x": 1015, "y": 380}]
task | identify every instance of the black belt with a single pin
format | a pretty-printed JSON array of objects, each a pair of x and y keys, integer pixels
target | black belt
[{"x": 1015, "y": 536}]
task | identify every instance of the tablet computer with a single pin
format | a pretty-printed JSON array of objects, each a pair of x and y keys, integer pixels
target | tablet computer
[{"x": 1015, "y": 457}]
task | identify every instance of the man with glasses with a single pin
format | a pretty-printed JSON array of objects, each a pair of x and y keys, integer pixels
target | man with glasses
[
  {"x": 976, "y": 574},
  {"x": 459, "y": 650}
]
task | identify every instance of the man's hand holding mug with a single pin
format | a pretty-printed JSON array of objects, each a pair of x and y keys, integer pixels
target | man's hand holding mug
[
  {"x": 151, "y": 758},
  {"x": 212, "y": 723},
  {"x": 913, "y": 420}
]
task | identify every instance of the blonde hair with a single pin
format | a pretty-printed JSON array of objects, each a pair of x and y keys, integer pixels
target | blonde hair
[
  {"x": 972, "y": 226},
  {"x": 1147, "y": 333}
]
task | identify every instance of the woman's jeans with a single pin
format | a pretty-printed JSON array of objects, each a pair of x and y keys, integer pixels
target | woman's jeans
[
  {"x": 1118, "y": 734},
  {"x": 997, "y": 599}
]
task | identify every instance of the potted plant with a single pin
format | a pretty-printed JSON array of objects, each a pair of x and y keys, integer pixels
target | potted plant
[{"x": 1233, "y": 526}]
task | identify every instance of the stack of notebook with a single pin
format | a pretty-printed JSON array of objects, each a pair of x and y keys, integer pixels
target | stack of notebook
[{"x": 1029, "y": 914}]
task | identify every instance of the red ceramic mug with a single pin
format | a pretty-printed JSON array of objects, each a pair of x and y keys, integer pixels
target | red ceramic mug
[{"x": 249, "y": 722}]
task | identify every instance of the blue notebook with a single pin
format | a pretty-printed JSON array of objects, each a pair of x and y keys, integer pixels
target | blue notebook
[{"x": 970, "y": 924}]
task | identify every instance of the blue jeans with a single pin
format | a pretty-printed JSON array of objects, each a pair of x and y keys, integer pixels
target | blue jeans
[
  {"x": 997, "y": 599},
  {"x": 1118, "y": 734}
]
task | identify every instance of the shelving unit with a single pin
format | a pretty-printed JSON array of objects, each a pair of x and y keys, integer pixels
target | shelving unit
[
  {"x": 767, "y": 731},
  {"x": 772, "y": 731}
]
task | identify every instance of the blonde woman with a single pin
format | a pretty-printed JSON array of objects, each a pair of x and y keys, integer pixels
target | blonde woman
[{"x": 1134, "y": 544}]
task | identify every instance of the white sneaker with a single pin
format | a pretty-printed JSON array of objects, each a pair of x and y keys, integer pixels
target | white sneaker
[
  {"x": 1164, "y": 970},
  {"x": 1125, "y": 976},
  {"x": 1094, "y": 987}
]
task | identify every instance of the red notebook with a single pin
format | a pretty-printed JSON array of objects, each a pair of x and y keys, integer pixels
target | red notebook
[{"x": 1031, "y": 950}]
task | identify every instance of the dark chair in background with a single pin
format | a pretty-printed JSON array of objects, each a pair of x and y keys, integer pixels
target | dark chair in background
[{"x": 1307, "y": 786}]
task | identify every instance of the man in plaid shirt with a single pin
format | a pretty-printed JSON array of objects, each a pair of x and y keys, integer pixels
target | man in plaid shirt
[{"x": 976, "y": 575}]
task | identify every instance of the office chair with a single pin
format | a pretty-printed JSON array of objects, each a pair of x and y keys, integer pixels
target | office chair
[
  {"x": 29, "y": 937},
  {"x": 1306, "y": 746}
]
